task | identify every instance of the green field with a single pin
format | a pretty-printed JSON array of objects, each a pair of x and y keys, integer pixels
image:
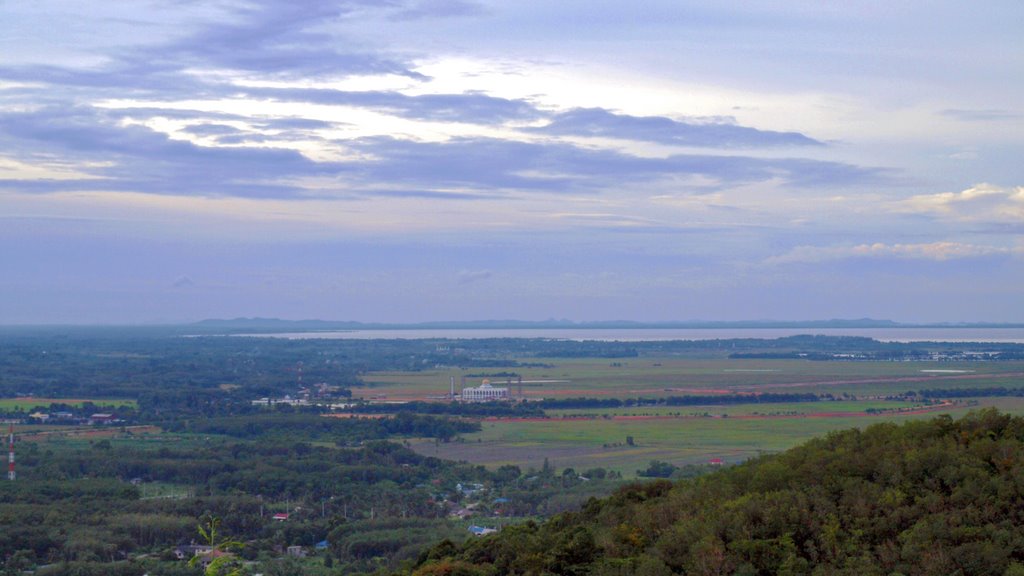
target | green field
[
  {"x": 589, "y": 437},
  {"x": 588, "y": 443},
  {"x": 853, "y": 407},
  {"x": 657, "y": 377},
  {"x": 9, "y": 404},
  {"x": 164, "y": 491}
]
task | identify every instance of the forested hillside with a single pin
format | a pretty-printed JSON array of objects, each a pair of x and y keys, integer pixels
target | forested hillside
[{"x": 941, "y": 496}]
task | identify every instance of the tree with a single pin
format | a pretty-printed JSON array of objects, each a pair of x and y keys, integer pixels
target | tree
[
  {"x": 224, "y": 563},
  {"x": 508, "y": 473},
  {"x": 658, "y": 469}
]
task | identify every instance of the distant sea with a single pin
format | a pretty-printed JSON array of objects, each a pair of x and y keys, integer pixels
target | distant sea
[{"x": 932, "y": 334}]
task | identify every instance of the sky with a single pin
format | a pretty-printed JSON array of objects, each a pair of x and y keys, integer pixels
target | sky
[{"x": 416, "y": 160}]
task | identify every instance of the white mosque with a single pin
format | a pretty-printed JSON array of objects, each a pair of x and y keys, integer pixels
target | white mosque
[{"x": 484, "y": 393}]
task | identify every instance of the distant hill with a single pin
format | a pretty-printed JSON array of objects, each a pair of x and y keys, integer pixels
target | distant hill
[
  {"x": 275, "y": 324},
  {"x": 927, "y": 497}
]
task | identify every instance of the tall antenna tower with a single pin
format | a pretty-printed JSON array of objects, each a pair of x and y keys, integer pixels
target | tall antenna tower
[{"x": 10, "y": 453}]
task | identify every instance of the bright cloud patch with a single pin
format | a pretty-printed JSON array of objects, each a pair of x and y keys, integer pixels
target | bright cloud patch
[
  {"x": 936, "y": 251},
  {"x": 980, "y": 203}
]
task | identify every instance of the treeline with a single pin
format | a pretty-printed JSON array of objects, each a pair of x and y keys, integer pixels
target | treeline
[
  {"x": 969, "y": 392},
  {"x": 883, "y": 356},
  {"x": 695, "y": 400},
  {"x": 282, "y": 426},
  {"x": 127, "y": 363},
  {"x": 929, "y": 497},
  {"x": 831, "y": 348},
  {"x": 897, "y": 354},
  {"x": 468, "y": 409}
]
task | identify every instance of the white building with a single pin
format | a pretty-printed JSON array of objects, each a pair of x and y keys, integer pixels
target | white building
[{"x": 484, "y": 393}]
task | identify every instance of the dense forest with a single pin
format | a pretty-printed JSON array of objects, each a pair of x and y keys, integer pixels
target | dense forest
[
  {"x": 941, "y": 496},
  {"x": 123, "y": 506}
]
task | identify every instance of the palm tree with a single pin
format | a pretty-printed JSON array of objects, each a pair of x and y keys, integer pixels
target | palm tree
[{"x": 223, "y": 562}]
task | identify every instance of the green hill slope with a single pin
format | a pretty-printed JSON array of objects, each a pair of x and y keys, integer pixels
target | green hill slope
[{"x": 928, "y": 497}]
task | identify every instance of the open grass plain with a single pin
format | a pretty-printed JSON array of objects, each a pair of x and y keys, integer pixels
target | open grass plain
[
  {"x": 627, "y": 438},
  {"x": 30, "y": 402},
  {"x": 660, "y": 377}
]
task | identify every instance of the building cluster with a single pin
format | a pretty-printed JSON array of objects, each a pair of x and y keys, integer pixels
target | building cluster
[
  {"x": 321, "y": 394},
  {"x": 472, "y": 501},
  {"x": 484, "y": 393},
  {"x": 62, "y": 417}
]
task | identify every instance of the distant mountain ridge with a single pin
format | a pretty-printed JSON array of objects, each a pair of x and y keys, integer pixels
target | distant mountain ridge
[{"x": 316, "y": 325}]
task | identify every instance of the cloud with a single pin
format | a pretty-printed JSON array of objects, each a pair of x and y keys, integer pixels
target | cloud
[
  {"x": 265, "y": 38},
  {"x": 136, "y": 158},
  {"x": 609, "y": 221},
  {"x": 491, "y": 163},
  {"x": 121, "y": 77},
  {"x": 597, "y": 122},
  {"x": 264, "y": 132},
  {"x": 293, "y": 124},
  {"x": 469, "y": 107},
  {"x": 438, "y": 9},
  {"x": 132, "y": 157},
  {"x": 935, "y": 251},
  {"x": 212, "y": 130},
  {"x": 180, "y": 113},
  {"x": 273, "y": 37},
  {"x": 987, "y": 115},
  {"x": 429, "y": 194},
  {"x": 982, "y": 203},
  {"x": 240, "y": 58}
]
